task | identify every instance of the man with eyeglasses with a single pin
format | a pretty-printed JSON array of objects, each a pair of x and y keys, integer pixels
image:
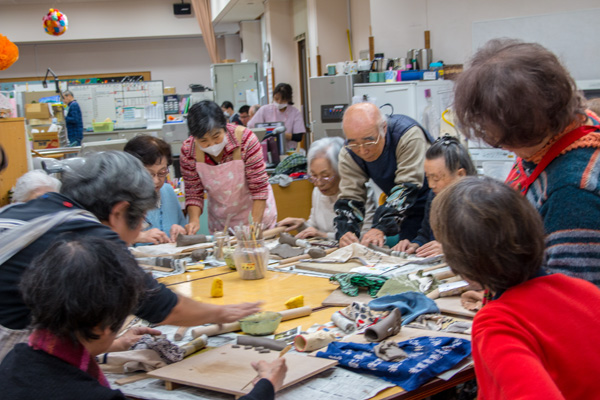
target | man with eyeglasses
[{"x": 391, "y": 153}]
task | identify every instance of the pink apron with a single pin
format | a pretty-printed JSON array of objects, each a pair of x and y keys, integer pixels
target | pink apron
[{"x": 228, "y": 193}]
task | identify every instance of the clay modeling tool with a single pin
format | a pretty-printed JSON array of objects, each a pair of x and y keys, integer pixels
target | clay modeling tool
[
  {"x": 292, "y": 241},
  {"x": 389, "y": 252},
  {"x": 281, "y": 354},
  {"x": 294, "y": 260}
]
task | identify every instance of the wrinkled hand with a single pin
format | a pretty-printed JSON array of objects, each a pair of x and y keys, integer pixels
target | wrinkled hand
[
  {"x": 347, "y": 239},
  {"x": 234, "y": 312},
  {"x": 131, "y": 337},
  {"x": 274, "y": 371},
  {"x": 192, "y": 228},
  {"x": 433, "y": 248},
  {"x": 406, "y": 246},
  {"x": 311, "y": 232},
  {"x": 291, "y": 224},
  {"x": 374, "y": 236},
  {"x": 176, "y": 230},
  {"x": 154, "y": 236}
]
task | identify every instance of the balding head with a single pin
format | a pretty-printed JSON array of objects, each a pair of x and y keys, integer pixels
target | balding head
[{"x": 365, "y": 127}]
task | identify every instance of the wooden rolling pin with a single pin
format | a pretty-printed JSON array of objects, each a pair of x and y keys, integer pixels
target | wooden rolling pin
[
  {"x": 212, "y": 330},
  {"x": 294, "y": 260}
]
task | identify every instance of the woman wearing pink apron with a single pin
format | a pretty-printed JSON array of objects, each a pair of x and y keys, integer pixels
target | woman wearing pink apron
[{"x": 226, "y": 163}]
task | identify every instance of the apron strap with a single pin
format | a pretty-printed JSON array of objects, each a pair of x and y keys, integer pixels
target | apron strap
[
  {"x": 199, "y": 153},
  {"x": 239, "y": 132}
]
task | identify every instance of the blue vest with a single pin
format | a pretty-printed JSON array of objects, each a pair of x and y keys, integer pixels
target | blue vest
[{"x": 383, "y": 170}]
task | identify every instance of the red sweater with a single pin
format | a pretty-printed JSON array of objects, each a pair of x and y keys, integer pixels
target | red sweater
[{"x": 540, "y": 340}]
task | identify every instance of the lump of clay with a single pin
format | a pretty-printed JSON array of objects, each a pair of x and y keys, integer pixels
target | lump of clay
[
  {"x": 187, "y": 240},
  {"x": 286, "y": 251},
  {"x": 199, "y": 255}
]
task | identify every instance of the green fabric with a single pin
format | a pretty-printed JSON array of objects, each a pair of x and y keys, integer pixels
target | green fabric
[
  {"x": 295, "y": 162},
  {"x": 351, "y": 282}
]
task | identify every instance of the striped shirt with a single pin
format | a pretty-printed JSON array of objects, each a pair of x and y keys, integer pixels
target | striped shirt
[
  {"x": 567, "y": 196},
  {"x": 252, "y": 156}
]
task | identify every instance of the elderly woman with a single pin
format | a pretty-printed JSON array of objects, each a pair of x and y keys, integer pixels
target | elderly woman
[
  {"x": 322, "y": 163},
  {"x": 226, "y": 162},
  {"x": 519, "y": 97},
  {"x": 75, "y": 323},
  {"x": 538, "y": 337},
  {"x": 166, "y": 221},
  {"x": 34, "y": 184},
  {"x": 282, "y": 109},
  {"x": 445, "y": 162},
  {"x": 107, "y": 196}
]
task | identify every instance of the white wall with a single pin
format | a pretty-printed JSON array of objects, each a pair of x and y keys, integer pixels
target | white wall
[
  {"x": 360, "y": 13},
  {"x": 332, "y": 25},
  {"x": 398, "y": 25},
  {"x": 178, "y": 61},
  {"x": 252, "y": 43}
]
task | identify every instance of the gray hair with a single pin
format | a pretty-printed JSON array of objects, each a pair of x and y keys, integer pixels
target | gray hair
[
  {"x": 67, "y": 93},
  {"x": 33, "y": 184},
  {"x": 108, "y": 177},
  {"x": 329, "y": 148}
]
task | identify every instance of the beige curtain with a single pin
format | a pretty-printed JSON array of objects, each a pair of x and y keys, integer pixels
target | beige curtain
[{"x": 204, "y": 17}]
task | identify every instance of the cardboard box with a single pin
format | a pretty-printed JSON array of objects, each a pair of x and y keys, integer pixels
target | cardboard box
[
  {"x": 169, "y": 90},
  {"x": 42, "y": 139},
  {"x": 33, "y": 122},
  {"x": 37, "y": 111}
]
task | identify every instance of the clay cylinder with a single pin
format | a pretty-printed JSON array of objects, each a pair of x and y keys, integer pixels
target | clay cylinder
[
  {"x": 316, "y": 252},
  {"x": 194, "y": 345},
  {"x": 271, "y": 344},
  {"x": 313, "y": 341},
  {"x": 342, "y": 322},
  {"x": 213, "y": 330},
  {"x": 387, "y": 327},
  {"x": 180, "y": 333},
  {"x": 380, "y": 249},
  {"x": 286, "y": 238},
  {"x": 187, "y": 240}
]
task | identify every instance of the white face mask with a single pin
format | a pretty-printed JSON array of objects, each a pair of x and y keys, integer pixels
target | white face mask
[
  {"x": 280, "y": 106},
  {"x": 226, "y": 114},
  {"x": 215, "y": 149}
]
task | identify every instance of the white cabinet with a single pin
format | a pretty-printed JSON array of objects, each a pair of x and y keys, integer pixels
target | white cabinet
[{"x": 235, "y": 82}]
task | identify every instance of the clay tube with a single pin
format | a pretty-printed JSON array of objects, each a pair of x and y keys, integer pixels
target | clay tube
[{"x": 313, "y": 341}]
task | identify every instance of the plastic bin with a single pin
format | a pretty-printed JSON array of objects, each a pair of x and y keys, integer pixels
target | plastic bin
[{"x": 103, "y": 126}]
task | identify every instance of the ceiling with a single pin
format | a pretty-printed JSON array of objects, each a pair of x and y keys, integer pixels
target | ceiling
[{"x": 235, "y": 11}]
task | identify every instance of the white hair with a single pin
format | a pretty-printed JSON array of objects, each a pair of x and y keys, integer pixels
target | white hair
[
  {"x": 328, "y": 148},
  {"x": 33, "y": 184}
]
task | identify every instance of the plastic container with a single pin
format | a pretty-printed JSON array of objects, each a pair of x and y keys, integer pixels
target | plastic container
[
  {"x": 251, "y": 258},
  {"x": 220, "y": 243},
  {"x": 103, "y": 126},
  {"x": 262, "y": 323},
  {"x": 438, "y": 67},
  {"x": 411, "y": 75}
]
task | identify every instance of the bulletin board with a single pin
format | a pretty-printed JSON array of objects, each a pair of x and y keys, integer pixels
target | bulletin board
[{"x": 127, "y": 104}]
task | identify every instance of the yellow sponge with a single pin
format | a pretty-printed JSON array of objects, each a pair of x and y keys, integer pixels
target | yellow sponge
[
  {"x": 216, "y": 289},
  {"x": 295, "y": 302}
]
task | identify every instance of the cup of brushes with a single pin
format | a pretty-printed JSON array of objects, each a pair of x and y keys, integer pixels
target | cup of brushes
[{"x": 251, "y": 256}]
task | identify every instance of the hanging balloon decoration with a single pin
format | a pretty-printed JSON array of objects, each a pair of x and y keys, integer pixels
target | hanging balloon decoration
[
  {"x": 9, "y": 53},
  {"x": 55, "y": 22}
]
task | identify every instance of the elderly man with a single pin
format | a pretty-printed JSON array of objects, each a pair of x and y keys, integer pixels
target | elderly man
[
  {"x": 73, "y": 119},
  {"x": 98, "y": 200},
  {"x": 391, "y": 153}
]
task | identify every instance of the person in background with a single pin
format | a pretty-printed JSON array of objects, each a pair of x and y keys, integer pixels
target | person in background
[
  {"x": 253, "y": 109},
  {"x": 230, "y": 113},
  {"x": 73, "y": 119},
  {"x": 282, "y": 110},
  {"x": 33, "y": 184},
  {"x": 224, "y": 161},
  {"x": 322, "y": 161},
  {"x": 244, "y": 115},
  {"x": 107, "y": 196},
  {"x": 166, "y": 221},
  {"x": 538, "y": 337},
  {"x": 3, "y": 159},
  {"x": 391, "y": 153},
  {"x": 73, "y": 324},
  {"x": 445, "y": 162},
  {"x": 519, "y": 97}
]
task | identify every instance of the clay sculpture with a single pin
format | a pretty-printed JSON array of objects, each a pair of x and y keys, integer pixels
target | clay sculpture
[
  {"x": 286, "y": 238},
  {"x": 313, "y": 341},
  {"x": 387, "y": 327},
  {"x": 199, "y": 255},
  {"x": 271, "y": 344},
  {"x": 187, "y": 240}
]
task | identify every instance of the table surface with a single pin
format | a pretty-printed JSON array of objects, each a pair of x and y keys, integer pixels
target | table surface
[{"x": 274, "y": 290}]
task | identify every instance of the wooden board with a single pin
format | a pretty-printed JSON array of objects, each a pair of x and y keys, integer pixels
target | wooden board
[
  {"x": 338, "y": 299},
  {"x": 227, "y": 370},
  {"x": 407, "y": 333},
  {"x": 451, "y": 305},
  {"x": 329, "y": 268}
]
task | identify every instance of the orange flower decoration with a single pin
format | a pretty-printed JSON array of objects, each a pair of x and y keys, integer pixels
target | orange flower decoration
[{"x": 9, "y": 53}]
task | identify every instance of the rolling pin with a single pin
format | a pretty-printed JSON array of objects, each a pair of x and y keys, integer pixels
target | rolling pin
[
  {"x": 187, "y": 240},
  {"x": 293, "y": 260},
  {"x": 271, "y": 233},
  {"x": 389, "y": 252},
  {"x": 194, "y": 345},
  {"x": 215, "y": 329}
]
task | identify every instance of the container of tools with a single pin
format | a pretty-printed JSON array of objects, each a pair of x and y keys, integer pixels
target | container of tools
[{"x": 251, "y": 258}]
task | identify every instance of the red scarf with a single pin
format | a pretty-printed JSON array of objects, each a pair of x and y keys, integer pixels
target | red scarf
[{"x": 72, "y": 353}]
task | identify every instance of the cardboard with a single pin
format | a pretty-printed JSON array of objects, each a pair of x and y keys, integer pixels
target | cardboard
[
  {"x": 452, "y": 305},
  {"x": 228, "y": 370},
  {"x": 42, "y": 139},
  {"x": 37, "y": 111},
  {"x": 339, "y": 299}
]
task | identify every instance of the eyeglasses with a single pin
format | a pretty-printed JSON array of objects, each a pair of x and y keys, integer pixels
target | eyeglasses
[
  {"x": 315, "y": 179},
  {"x": 160, "y": 174},
  {"x": 366, "y": 145}
]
